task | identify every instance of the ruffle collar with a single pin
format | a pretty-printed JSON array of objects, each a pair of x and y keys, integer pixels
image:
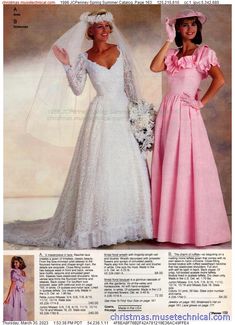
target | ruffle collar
[{"x": 175, "y": 64}]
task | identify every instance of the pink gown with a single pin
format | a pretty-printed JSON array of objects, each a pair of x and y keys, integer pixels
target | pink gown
[
  {"x": 187, "y": 201},
  {"x": 16, "y": 308}
]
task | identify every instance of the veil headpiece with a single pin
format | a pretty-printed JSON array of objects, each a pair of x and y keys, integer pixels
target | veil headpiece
[
  {"x": 87, "y": 17},
  {"x": 56, "y": 112}
]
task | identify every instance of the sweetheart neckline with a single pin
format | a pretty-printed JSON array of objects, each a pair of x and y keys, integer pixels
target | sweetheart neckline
[{"x": 102, "y": 66}]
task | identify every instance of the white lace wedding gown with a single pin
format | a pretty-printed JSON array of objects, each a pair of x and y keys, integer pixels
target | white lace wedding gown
[{"x": 106, "y": 196}]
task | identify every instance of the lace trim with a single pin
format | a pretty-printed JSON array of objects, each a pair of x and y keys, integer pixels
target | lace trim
[
  {"x": 77, "y": 76},
  {"x": 129, "y": 81},
  {"x": 86, "y": 240}
]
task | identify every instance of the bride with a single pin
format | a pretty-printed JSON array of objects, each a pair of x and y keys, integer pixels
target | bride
[{"x": 106, "y": 196}]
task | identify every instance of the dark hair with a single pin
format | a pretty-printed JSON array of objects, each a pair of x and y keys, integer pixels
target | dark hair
[
  {"x": 20, "y": 260},
  {"x": 197, "y": 39}
]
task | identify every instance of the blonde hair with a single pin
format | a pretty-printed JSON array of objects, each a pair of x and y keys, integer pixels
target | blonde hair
[{"x": 97, "y": 13}]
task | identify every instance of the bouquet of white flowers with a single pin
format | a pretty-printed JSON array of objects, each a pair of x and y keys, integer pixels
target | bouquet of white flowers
[{"x": 142, "y": 119}]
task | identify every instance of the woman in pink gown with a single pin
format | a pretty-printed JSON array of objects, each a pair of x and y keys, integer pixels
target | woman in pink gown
[
  {"x": 187, "y": 201},
  {"x": 14, "y": 304}
]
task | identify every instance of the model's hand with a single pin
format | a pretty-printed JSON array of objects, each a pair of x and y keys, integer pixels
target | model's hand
[
  {"x": 61, "y": 54},
  {"x": 194, "y": 103},
  {"x": 6, "y": 301},
  {"x": 170, "y": 29}
]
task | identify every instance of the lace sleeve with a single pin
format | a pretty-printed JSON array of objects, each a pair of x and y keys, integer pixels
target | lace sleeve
[
  {"x": 77, "y": 75},
  {"x": 129, "y": 81}
]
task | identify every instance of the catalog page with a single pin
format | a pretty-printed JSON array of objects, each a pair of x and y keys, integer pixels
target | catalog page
[{"x": 117, "y": 162}]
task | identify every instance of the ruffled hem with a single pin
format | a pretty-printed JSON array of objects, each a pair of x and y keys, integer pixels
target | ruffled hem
[
  {"x": 202, "y": 59},
  {"x": 87, "y": 240}
]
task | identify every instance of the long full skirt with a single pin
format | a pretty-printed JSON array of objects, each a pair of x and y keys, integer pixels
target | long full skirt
[
  {"x": 106, "y": 196},
  {"x": 187, "y": 201}
]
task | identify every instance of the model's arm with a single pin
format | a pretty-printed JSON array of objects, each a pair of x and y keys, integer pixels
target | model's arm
[
  {"x": 24, "y": 275},
  {"x": 217, "y": 82},
  {"x": 12, "y": 286},
  {"x": 158, "y": 64},
  {"x": 76, "y": 75},
  {"x": 129, "y": 81}
]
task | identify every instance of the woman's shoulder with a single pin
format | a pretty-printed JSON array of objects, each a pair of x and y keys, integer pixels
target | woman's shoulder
[
  {"x": 170, "y": 60},
  {"x": 114, "y": 49},
  {"x": 205, "y": 54},
  {"x": 205, "y": 59},
  {"x": 82, "y": 59},
  {"x": 204, "y": 50},
  {"x": 14, "y": 274},
  {"x": 110, "y": 47},
  {"x": 17, "y": 272},
  {"x": 171, "y": 52},
  {"x": 82, "y": 55}
]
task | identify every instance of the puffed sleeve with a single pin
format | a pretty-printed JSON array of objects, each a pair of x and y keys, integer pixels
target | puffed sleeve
[
  {"x": 170, "y": 64},
  {"x": 129, "y": 82},
  {"x": 77, "y": 75},
  {"x": 206, "y": 59},
  {"x": 14, "y": 276}
]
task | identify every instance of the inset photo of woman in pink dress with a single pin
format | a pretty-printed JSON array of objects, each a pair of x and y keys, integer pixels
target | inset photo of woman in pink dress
[{"x": 18, "y": 288}]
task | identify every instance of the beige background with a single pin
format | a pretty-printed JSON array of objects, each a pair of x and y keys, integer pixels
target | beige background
[
  {"x": 216, "y": 34},
  {"x": 34, "y": 171},
  {"x": 29, "y": 284}
]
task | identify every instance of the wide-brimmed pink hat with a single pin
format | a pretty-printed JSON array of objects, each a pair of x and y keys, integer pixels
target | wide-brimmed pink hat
[{"x": 186, "y": 14}]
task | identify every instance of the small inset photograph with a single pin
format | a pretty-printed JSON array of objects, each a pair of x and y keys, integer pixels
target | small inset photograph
[{"x": 18, "y": 302}]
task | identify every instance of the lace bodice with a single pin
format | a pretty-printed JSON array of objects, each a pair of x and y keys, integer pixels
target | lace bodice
[
  {"x": 116, "y": 81},
  {"x": 106, "y": 197}
]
